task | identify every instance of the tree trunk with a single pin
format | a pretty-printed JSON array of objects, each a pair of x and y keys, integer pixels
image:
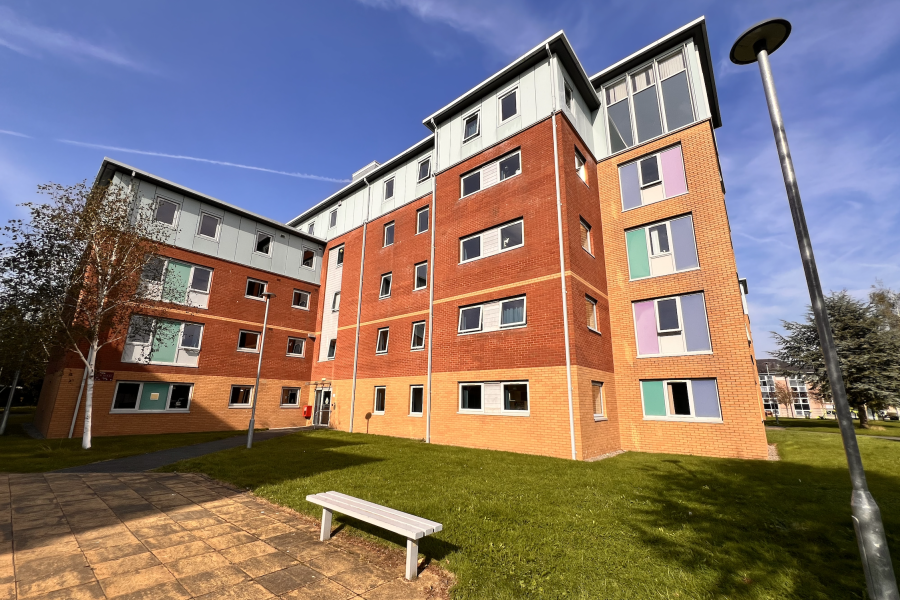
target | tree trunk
[
  {"x": 89, "y": 397},
  {"x": 863, "y": 417}
]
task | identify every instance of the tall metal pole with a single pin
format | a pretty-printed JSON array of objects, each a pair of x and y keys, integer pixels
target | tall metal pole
[
  {"x": 873, "y": 548},
  {"x": 12, "y": 391},
  {"x": 262, "y": 344}
]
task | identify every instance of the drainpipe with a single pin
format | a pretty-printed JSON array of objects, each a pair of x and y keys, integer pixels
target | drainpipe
[
  {"x": 362, "y": 264},
  {"x": 431, "y": 283},
  {"x": 562, "y": 258}
]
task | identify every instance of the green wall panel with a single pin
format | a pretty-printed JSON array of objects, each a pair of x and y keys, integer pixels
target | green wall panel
[
  {"x": 654, "y": 398},
  {"x": 148, "y": 402},
  {"x": 165, "y": 341},
  {"x": 177, "y": 279},
  {"x": 638, "y": 257}
]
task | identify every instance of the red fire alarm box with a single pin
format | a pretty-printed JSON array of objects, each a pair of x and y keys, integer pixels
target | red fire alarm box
[{"x": 307, "y": 411}]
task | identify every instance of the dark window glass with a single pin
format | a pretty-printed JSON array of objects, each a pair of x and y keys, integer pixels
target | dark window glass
[
  {"x": 200, "y": 279},
  {"x": 511, "y": 236},
  {"x": 568, "y": 95},
  {"x": 382, "y": 344},
  {"x": 668, "y": 314},
  {"x": 659, "y": 239},
  {"x": 679, "y": 403},
  {"x": 620, "y": 126},
  {"x": 388, "y": 189},
  {"x": 190, "y": 335},
  {"x": 471, "y": 397},
  {"x": 332, "y": 222},
  {"x": 154, "y": 269},
  {"x": 181, "y": 395},
  {"x": 418, "y": 335},
  {"x": 470, "y": 319},
  {"x": 290, "y": 397},
  {"x": 379, "y": 399},
  {"x": 165, "y": 212},
  {"x": 332, "y": 347},
  {"x": 421, "y": 275},
  {"x": 417, "y": 394},
  {"x": 247, "y": 340},
  {"x": 471, "y": 127},
  {"x": 309, "y": 259},
  {"x": 209, "y": 226},
  {"x": 255, "y": 288},
  {"x": 649, "y": 171},
  {"x": 422, "y": 221},
  {"x": 385, "y": 286},
  {"x": 511, "y": 165},
  {"x": 126, "y": 396},
  {"x": 515, "y": 396},
  {"x": 240, "y": 394},
  {"x": 295, "y": 346},
  {"x": 340, "y": 256},
  {"x": 677, "y": 101},
  {"x": 471, "y": 248},
  {"x": 301, "y": 299},
  {"x": 471, "y": 183},
  {"x": 424, "y": 169},
  {"x": 646, "y": 106},
  {"x": 508, "y": 107},
  {"x": 263, "y": 243},
  {"x": 388, "y": 234},
  {"x": 512, "y": 312}
]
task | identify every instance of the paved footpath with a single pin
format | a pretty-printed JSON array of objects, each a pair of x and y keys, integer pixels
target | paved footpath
[{"x": 155, "y": 536}]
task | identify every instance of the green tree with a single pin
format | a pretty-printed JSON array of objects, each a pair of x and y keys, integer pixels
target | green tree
[{"x": 868, "y": 350}]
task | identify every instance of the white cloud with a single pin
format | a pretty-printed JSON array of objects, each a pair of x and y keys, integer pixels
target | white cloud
[
  {"x": 203, "y": 160},
  {"x": 26, "y": 38},
  {"x": 15, "y": 133}
]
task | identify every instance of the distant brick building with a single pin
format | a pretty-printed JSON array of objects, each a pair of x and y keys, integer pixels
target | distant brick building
[{"x": 550, "y": 271}]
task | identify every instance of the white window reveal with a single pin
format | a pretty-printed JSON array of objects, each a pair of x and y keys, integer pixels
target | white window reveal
[
  {"x": 416, "y": 400},
  {"x": 672, "y": 326},
  {"x": 421, "y": 276},
  {"x": 494, "y": 398},
  {"x": 332, "y": 348},
  {"x": 567, "y": 95},
  {"x": 492, "y": 316},
  {"x": 381, "y": 344},
  {"x": 424, "y": 170},
  {"x": 580, "y": 168},
  {"x": 471, "y": 126},
  {"x": 389, "y": 189},
  {"x": 491, "y": 174},
  {"x": 300, "y": 299},
  {"x": 652, "y": 178},
  {"x": 209, "y": 226},
  {"x": 418, "y": 336},
  {"x": 308, "y": 261},
  {"x": 332, "y": 219},
  {"x": 422, "y": 220},
  {"x": 340, "y": 256},
  {"x": 597, "y": 397},
  {"x": 681, "y": 400},
  {"x": 174, "y": 281},
  {"x": 166, "y": 211},
  {"x": 380, "y": 400},
  {"x": 255, "y": 289},
  {"x": 295, "y": 346},
  {"x": 509, "y": 104},
  {"x": 248, "y": 341},
  {"x": 388, "y": 234},
  {"x": 151, "y": 396},
  {"x": 493, "y": 241},
  {"x": 662, "y": 248},
  {"x": 385, "y": 290},
  {"x": 264, "y": 243},
  {"x": 336, "y": 302},
  {"x": 311, "y": 230},
  {"x": 162, "y": 342},
  {"x": 241, "y": 396},
  {"x": 290, "y": 397}
]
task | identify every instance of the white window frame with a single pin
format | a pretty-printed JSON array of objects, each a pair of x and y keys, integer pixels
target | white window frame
[
  {"x": 240, "y": 406},
  {"x": 387, "y": 340},
  {"x": 690, "y": 418},
  {"x": 514, "y": 89},
  {"x": 419, "y": 169},
  {"x": 568, "y": 95},
  {"x": 484, "y": 166},
  {"x": 339, "y": 257},
  {"x": 470, "y": 411},
  {"x": 649, "y": 242},
  {"x": 336, "y": 301},
  {"x": 680, "y": 329},
  {"x": 590, "y": 238},
  {"x": 462, "y": 179},
  {"x": 460, "y": 330},
  {"x": 390, "y": 277},
  {"x": 503, "y": 410},
  {"x": 581, "y": 171},
  {"x": 424, "y": 209},
  {"x": 137, "y": 411},
  {"x": 265, "y": 289},
  {"x": 248, "y": 350},
  {"x": 178, "y": 206},
  {"x": 311, "y": 228},
  {"x": 160, "y": 285},
  {"x": 416, "y": 276},
  {"x": 218, "y": 219},
  {"x": 375, "y": 410},
  {"x": 523, "y": 323},
  {"x": 304, "y": 250},
  {"x": 421, "y": 412},
  {"x": 260, "y": 232},
  {"x": 148, "y": 345},
  {"x": 385, "y": 197},
  {"x": 601, "y": 416},
  {"x": 412, "y": 341},
  {"x": 302, "y": 347},
  {"x": 593, "y": 301},
  {"x": 308, "y": 298},
  {"x": 281, "y": 402},
  {"x": 328, "y": 354},
  {"x": 650, "y": 252},
  {"x": 392, "y": 226},
  {"x": 181, "y": 337},
  {"x": 477, "y": 114},
  {"x": 332, "y": 219},
  {"x": 481, "y": 244}
]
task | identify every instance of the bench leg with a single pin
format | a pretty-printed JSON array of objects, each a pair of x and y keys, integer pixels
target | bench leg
[
  {"x": 326, "y": 525},
  {"x": 412, "y": 559}
]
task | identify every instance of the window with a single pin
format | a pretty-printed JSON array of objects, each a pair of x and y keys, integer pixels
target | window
[
  {"x": 332, "y": 347},
  {"x": 295, "y": 346},
  {"x": 311, "y": 230},
  {"x": 190, "y": 335},
  {"x": 340, "y": 256},
  {"x": 154, "y": 270},
  {"x": 416, "y": 400},
  {"x": 332, "y": 219},
  {"x": 493, "y": 241},
  {"x": 248, "y": 341},
  {"x": 767, "y": 387},
  {"x": 424, "y": 169},
  {"x": 670, "y": 326},
  {"x": 491, "y": 174},
  {"x": 470, "y": 397},
  {"x": 300, "y": 300},
  {"x": 389, "y": 189},
  {"x": 580, "y": 169},
  {"x": 170, "y": 280},
  {"x": 147, "y": 396},
  {"x": 590, "y": 306},
  {"x": 471, "y": 127},
  {"x": 800, "y": 396},
  {"x": 385, "y": 290},
  {"x": 509, "y": 105},
  {"x": 200, "y": 279},
  {"x": 494, "y": 397},
  {"x": 597, "y": 396},
  {"x": 684, "y": 399},
  {"x": 381, "y": 345},
  {"x": 290, "y": 397},
  {"x": 641, "y": 94},
  {"x": 336, "y": 302},
  {"x": 380, "y": 397},
  {"x": 662, "y": 248},
  {"x": 263, "y": 243},
  {"x": 470, "y": 319},
  {"x": 512, "y": 312},
  {"x": 209, "y": 226},
  {"x": 567, "y": 95},
  {"x": 162, "y": 342},
  {"x": 422, "y": 220},
  {"x": 241, "y": 396},
  {"x": 421, "y": 276},
  {"x": 586, "y": 236},
  {"x": 515, "y": 396},
  {"x": 309, "y": 259},
  {"x": 652, "y": 178},
  {"x": 255, "y": 288},
  {"x": 166, "y": 211},
  {"x": 418, "y": 336},
  {"x": 388, "y": 234}
]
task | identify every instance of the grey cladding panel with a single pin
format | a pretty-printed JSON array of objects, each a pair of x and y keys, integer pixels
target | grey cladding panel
[
  {"x": 228, "y": 236},
  {"x": 187, "y": 223}
]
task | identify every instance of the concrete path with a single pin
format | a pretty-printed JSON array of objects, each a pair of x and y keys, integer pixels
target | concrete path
[
  {"x": 161, "y": 458},
  {"x": 168, "y": 535}
]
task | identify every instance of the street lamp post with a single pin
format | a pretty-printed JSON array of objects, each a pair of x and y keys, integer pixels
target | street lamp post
[
  {"x": 262, "y": 344},
  {"x": 755, "y": 45}
]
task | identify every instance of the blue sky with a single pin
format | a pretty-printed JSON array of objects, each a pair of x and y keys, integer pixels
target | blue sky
[{"x": 306, "y": 93}]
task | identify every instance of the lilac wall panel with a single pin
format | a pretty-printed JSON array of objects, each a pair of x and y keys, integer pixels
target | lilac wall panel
[
  {"x": 631, "y": 187},
  {"x": 684, "y": 244},
  {"x": 696, "y": 329},
  {"x": 706, "y": 398},
  {"x": 645, "y": 323},
  {"x": 673, "y": 172}
]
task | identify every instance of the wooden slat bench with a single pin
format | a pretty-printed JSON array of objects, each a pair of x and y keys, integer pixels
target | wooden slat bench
[{"x": 409, "y": 526}]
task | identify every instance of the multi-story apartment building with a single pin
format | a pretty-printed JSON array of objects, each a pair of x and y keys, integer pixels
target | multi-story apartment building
[
  {"x": 549, "y": 271},
  {"x": 777, "y": 376}
]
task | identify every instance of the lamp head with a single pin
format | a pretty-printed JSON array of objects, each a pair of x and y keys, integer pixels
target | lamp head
[{"x": 769, "y": 34}]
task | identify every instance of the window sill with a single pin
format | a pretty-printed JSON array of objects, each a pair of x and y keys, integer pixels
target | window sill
[
  {"x": 598, "y": 418},
  {"x": 294, "y": 355},
  {"x": 240, "y": 406},
  {"x": 502, "y": 413},
  {"x": 300, "y": 308},
  {"x": 416, "y": 415},
  {"x": 701, "y": 353},
  {"x": 383, "y": 297},
  {"x": 313, "y": 268},
  {"x": 163, "y": 364},
  {"x": 419, "y": 289},
  {"x": 685, "y": 419},
  {"x": 651, "y": 140},
  {"x": 665, "y": 275},
  {"x": 122, "y": 411},
  {"x": 417, "y": 349},
  {"x": 254, "y": 298},
  {"x": 591, "y": 329},
  {"x": 293, "y": 406},
  {"x": 502, "y": 328},
  {"x": 248, "y": 351},
  {"x": 377, "y": 414},
  {"x": 624, "y": 210},
  {"x": 381, "y": 353}
]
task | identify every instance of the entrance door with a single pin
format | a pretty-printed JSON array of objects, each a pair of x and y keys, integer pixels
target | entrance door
[{"x": 322, "y": 414}]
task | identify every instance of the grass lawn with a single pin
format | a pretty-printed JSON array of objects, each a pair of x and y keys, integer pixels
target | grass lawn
[
  {"x": 639, "y": 526},
  {"x": 22, "y": 454},
  {"x": 879, "y": 428}
]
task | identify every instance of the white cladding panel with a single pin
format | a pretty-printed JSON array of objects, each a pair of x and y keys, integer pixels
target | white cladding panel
[
  {"x": 493, "y": 398},
  {"x": 578, "y": 114},
  {"x": 330, "y": 317}
]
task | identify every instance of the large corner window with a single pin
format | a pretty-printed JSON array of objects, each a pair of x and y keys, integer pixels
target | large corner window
[
  {"x": 493, "y": 316},
  {"x": 170, "y": 280},
  {"x": 494, "y": 398},
  {"x": 162, "y": 342}
]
